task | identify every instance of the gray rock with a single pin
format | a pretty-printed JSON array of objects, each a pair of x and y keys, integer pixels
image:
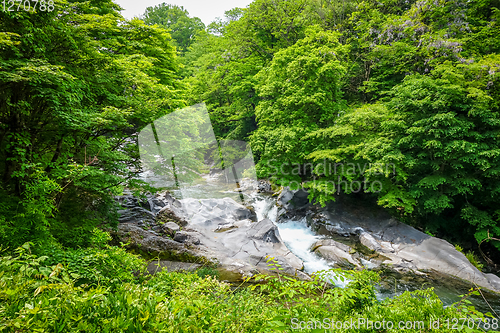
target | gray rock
[
  {"x": 241, "y": 250},
  {"x": 369, "y": 241},
  {"x": 264, "y": 187},
  {"x": 170, "y": 214},
  {"x": 146, "y": 241},
  {"x": 265, "y": 231},
  {"x": 331, "y": 242},
  {"x": 127, "y": 201},
  {"x": 293, "y": 199},
  {"x": 402, "y": 247},
  {"x": 493, "y": 280},
  {"x": 135, "y": 214},
  {"x": 334, "y": 251},
  {"x": 219, "y": 230},
  {"x": 170, "y": 228},
  {"x": 368, "y": 264},
  {"x": 156, "y": 204},
  {"x": 187, "y": 238}
]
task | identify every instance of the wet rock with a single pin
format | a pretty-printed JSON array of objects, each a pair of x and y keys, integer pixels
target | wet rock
[
  {"x": 401, "y": 247},
  {"x": 241, "y": 250},
  {"x": 265, "y": 231},
  {"x": 293, "y": 199},
  {"x": 264, "y": 187},
  {"x": 368, "y": 264},
  {"x": 219, "y": 230}
]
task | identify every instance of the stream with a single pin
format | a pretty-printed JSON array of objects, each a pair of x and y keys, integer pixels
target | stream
[{"x": 298, "y": 237}]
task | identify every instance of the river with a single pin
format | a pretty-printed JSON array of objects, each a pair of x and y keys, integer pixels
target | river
[{"x": 298, "y": 237}]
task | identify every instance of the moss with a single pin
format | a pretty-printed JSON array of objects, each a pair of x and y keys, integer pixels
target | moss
[{"x": 168, "y": 216}]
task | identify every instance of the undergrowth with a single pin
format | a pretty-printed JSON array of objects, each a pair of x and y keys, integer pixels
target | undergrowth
[{"x": 96, "y": 290}]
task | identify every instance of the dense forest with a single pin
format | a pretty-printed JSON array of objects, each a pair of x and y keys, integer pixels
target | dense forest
[
  {"x": 403, "y": 94},
  {"x": 410, "y": 85}
]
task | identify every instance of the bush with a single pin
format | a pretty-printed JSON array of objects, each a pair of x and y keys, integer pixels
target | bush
[
  {"x": 36, "y": 296},
  {"x": 111, "y": 266}
]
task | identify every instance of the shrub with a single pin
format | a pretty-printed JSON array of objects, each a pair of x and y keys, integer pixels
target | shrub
[{"x": 37, "y": 296}]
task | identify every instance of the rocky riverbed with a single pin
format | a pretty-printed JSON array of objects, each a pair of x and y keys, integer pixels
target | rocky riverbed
[
  {"x": 218, "y": 232},
  {"x": 360, "y": 236},
  {"x": 223, "y": 233}
]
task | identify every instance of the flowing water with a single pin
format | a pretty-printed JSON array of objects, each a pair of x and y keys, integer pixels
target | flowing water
[{"x": 299, "y": 238}]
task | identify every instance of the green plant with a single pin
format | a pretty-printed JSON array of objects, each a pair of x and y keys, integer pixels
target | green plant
[
  {"x": 100, "y": 238},
  {"x": 471, "y": 257},
  {"x": 207, "y": 271},
  {"x": 36, "y": 295},
  {"x": 474, "y": 260}
]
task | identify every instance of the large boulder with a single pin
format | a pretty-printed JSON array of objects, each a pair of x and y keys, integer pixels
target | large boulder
[
  {"x": 402, "y": 247},
  {"x": 146, "y": 241},
  {"x": 206, "y": 230},
  {"x": 293, "y": 199}
]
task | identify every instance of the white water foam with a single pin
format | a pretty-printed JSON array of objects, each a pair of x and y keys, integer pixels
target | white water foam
[
  {"x": 264, "y": 208},
  {"x": 299, "y": 239}
]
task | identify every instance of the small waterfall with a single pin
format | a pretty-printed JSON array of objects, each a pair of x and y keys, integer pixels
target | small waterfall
[
  {"x": 299, "y": 239},
  {"x": 297, "y": 236}
]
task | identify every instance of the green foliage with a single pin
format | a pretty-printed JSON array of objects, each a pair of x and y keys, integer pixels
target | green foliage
[
  {"x": 38, "y": 296},
  {"x": 412, "y": 85},
  {"x": 207, "y": 271},
  {"x": 471, "y": 257},
  {"x": 176, "y": 19},
  {"x": 100, "y": 238},
  {"x": 78, "y": 81},
  {"x": 111, "y": 266},
  {"x": 301, "y": 91},
  {"x": 474, "y": 260}
]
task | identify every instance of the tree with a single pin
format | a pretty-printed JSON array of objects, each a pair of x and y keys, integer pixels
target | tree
[
  {"x": 301, "y": 93},
  {"x": 76, "y": 83},
  {"x": 182, "y": 27}
]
